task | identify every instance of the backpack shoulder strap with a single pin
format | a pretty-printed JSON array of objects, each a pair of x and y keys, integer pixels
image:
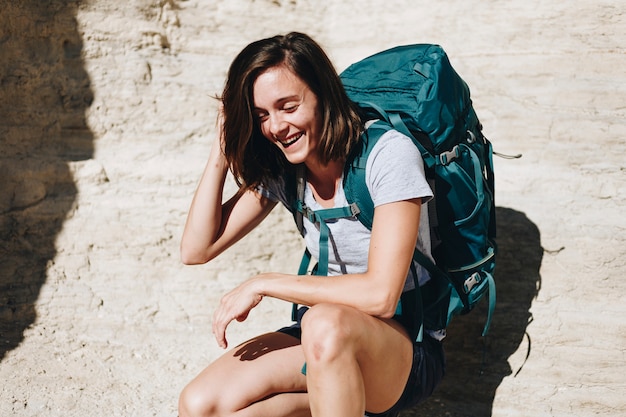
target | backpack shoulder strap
[
  {"x": 300, "y": 185},
  {"x": 354, "y": 184}
]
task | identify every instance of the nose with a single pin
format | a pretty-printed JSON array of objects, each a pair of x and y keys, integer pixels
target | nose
[{"x": 277, "y": 125}]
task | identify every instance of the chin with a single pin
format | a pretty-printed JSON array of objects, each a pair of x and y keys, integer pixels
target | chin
[
  {"x": 295, "y": 160},
  {"x": 296, "y": 157}
]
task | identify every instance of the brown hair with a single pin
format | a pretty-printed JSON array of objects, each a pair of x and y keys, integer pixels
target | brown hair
[{"x": 252, "y": 158}]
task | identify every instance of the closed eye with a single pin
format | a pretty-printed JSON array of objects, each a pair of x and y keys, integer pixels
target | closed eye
[
  {"x": 287, "y": 107},
  {"x": 261, "y": 116},
  {"x": 290, "y": 108}
]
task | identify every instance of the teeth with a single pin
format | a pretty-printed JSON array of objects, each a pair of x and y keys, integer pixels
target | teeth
[{"x": 292, "y": 141}]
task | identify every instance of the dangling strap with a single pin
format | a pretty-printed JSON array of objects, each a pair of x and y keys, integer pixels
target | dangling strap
[
  {"x": 492, "y": 301},
  {"x": 302, "y": 270}
]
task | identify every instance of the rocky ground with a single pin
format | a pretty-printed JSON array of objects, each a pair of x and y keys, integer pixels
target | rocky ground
[{"x": 107, "y": 117}]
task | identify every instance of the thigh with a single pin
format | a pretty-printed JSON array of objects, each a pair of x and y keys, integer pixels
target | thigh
[
  {"x": 385, "y": 358},
  {"x": 381, "y": 347},
  {"x": 254, "y": 370}
]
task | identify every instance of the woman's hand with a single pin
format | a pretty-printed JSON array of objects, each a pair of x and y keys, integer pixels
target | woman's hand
[{"x": 234, "y": 305}]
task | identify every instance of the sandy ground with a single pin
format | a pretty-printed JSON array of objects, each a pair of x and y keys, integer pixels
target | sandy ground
[{"x": 99, "y": 317}]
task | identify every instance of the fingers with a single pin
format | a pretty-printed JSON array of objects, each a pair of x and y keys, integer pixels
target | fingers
[
  {"x": 221, "y": 320},
  {"x": 220, "y": 325},
  {"x": 219, "y": 330},
  {"x": 225, "y": 313},
  {"x": 233, "y": 306}
]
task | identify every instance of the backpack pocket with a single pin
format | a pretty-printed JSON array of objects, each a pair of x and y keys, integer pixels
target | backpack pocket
[
  {"x": 464, "y": 204},
  {"x": 464, "y": 209}
]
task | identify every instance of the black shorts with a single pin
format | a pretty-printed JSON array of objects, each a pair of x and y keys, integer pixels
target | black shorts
[{"x": 427, "y": 370}]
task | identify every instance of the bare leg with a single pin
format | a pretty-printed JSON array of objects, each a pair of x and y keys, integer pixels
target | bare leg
[
  {"x": 258, "y": 378},
  {"x": 354, "y": 361},
  {"x": 286, "y": 404}
]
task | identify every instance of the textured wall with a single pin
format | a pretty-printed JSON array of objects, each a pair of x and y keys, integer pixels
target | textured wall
[{"x": 44, "y": 93}]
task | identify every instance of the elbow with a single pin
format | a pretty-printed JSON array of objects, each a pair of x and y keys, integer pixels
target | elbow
[
  {"x": 188, "y": 260},
  {"x": 387, "y": 313},
  {"x": 193, "y": 256},
  {"x": 191, "y": 259},
  {"x": 387, "y": 305}
]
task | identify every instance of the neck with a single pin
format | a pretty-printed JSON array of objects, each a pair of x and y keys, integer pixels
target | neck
[{"x": 324, "y": 179}]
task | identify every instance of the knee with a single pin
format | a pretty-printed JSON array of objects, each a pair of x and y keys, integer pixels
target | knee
[
  {"x": 196, "y": 402},
  {"x": 327, "y": 332}
]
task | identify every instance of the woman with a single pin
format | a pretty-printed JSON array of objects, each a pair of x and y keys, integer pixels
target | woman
[{"x": 284, "y": 106}]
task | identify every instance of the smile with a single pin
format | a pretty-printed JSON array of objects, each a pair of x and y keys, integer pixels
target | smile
[{"x": 291, "y": 141}]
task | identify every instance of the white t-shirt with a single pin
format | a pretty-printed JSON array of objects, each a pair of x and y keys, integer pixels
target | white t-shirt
[{"x": 394, "y": 172}]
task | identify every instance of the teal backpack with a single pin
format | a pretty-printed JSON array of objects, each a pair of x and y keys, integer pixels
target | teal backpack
[{"x": 414, "y": 90}]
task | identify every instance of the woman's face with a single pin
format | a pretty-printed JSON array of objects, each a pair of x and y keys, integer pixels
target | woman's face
[{"x": 288, "y": 113}]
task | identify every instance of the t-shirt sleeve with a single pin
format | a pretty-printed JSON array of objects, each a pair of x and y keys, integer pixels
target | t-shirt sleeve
[
  {"x": 395, "y": 171},
  {"x": 267, "y": 192}
]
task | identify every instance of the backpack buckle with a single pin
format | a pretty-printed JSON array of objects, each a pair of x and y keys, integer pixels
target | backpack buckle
[
  {"x": 448, "y": 156},
  {"x": 309, "y": 214},
  {"x": 354, "y": 209},
  {"x": 305, "y": 211},
  {"x": 471, "y": 282}
]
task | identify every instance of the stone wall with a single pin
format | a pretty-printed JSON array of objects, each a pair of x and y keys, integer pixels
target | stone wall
[{"x": 44, "y": 94}]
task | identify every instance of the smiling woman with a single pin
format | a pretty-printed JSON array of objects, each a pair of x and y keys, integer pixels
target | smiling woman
[{"x": 285, "y": 111}]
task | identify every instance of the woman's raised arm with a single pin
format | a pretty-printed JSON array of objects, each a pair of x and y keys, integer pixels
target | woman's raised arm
[{"x": 213, "y": 226}]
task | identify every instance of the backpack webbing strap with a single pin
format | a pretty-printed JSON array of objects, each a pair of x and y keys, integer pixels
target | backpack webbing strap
[
  {"x": 302, "y": 270},
  {"x": 492, "y": 301},
  {"x": 321, "y": 217},
  {"x": 300, "y": 185},
  {"x": 395, "y": 120},
  {"x": 410, "y": 305}
]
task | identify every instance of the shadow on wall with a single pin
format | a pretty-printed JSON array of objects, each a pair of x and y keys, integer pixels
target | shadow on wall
[
  {"x": 476, "y": 365},
  {"x": 44, "y": 92}
]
